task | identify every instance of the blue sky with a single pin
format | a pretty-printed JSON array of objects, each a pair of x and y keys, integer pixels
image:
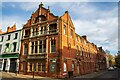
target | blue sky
[{"x": 97, "y": 20}]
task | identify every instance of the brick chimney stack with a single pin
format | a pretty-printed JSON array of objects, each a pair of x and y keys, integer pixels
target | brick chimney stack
[{"x": 11, "y": 29}]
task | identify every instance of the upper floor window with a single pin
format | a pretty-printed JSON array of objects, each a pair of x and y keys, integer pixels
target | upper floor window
[
  {"x": 0, "y": 48},
  {"x": 27, "y": 33},
  {"x": 64, "y": 29},
  {"x": 73, "y": 66},
  {"x": 81, "y": 53},
  {"x": 16, "y": 34},
  {"x": 76, "y": 50},
  {"x": 53, "y": 28},
  {"x": 14, "y": 46},
  {"x": 25, "y": 49},
  {"x": 35, "y": 31},
  {"x": 53, "y": 45},
  {"x": 7, "y": 48},
  {"x": 1, "y": 39},
  {"x": 71, "y": 33},
  {"x": 41, "y": 30},
  {"x": 42, "y": 46},
  {"x": 8, "y": 37}
]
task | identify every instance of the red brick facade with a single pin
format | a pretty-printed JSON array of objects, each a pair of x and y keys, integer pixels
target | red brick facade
[{"x": 50, "y": 47}]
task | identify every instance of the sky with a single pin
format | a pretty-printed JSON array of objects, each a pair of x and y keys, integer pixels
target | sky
[{"x": 97, "y": 20}]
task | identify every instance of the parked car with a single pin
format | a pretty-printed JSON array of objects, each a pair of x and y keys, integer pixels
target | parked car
[{"x": 110, "y": 68}]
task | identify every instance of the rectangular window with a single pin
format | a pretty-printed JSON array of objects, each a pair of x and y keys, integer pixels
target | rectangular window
[
  {"x": 14, "y": 48},
  {"x": 8, "y": 37},
  {"x": 36, "y": 31},
  {"x": 34, "y": 66},
  {"x": 40, "y": 46},
  {"x": 36, "y": 46},
  {"x": 43, "y": 67},
  {"x": 73, "y": 66},
  {"x": 45, "y": 30},
  {"x": 32, "y": 47},
  {"x": 81, "y": 51},
  {"x": 41, "y": 31},
  {"x": 16, "y": 34},
  {"x": 39, "y": 66},
  {"x": 65, "y": 67},
  {"x": 0, "y": 48},
  {"x": 53, "y": 45},
  {"x": 71, "y": 33},
  {"x": 64, "y": 29},
  {"x": 44, "y": 46},
  {"x": 25, "y": 49},
  {"x": 76, "y": 50},
  {"x": 7, "y": 48},
  {"x": 27, "y": 33},
  {"x": 30, "y": 66},
  {"x": 1, "y": 40}
]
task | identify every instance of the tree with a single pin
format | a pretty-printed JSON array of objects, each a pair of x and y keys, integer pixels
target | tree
[{"x": 117, "y": 60}]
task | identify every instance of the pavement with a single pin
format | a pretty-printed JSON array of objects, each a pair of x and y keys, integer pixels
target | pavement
[{"x": 13, "y": 76}]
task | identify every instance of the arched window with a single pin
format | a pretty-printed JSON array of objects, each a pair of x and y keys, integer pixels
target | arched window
[{"x": 40, "y": 18}]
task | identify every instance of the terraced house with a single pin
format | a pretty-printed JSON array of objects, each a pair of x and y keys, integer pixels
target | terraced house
[
  {"x": 10, "y": 43},
  {"x": 51, "y": 47}
]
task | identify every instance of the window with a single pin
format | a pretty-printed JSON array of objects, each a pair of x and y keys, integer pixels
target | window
[
  {"x": 0, "y": 48},
  {"x": 45, "y": 30},
  {"x": 65, "y": 67},
  {"x": 71, "y": 33},
  {"x": 16, "y": 34},
  {"x": 36, "y": 46},
  {"x": 1, "y": 39},
  {"x": 53, "y": 45},
  {"x": 32, "y": 47},
  {"x": 76, "y": 50},
  {"x": 36, "y": 31},
  {"x": 81, "y": 53},
  {"x": 73, "y": 66},
  {"x": 30, "y": 66},
  {"x": 41, "y": 67},
  {"x": 8, "y": 37},
  {"x": 64, "y": 29},
  {"x": 27, "y": 33},
  {"x": 42, "y": 46},
  {"x": 7, "y": 48},
  {"x": 34, "y": 66},
  {"x": 53, "y": 28},
  {"x": 25, "y": 49},
  {"x": 14, "y": 46},
  {"x": 41, "y": 31}
]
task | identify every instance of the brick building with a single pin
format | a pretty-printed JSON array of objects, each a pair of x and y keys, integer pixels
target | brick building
[{"x": 50, "y": 47}]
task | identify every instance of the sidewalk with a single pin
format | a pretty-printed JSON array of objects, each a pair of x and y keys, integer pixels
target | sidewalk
[
  {"x": 13, "y": 75},
  {"x": 92, "y": 75}
]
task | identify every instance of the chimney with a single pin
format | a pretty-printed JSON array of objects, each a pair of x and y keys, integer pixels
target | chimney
[{"x": 85, "y": 37}]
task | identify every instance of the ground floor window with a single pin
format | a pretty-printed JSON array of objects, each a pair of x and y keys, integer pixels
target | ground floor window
[{"x": 65, "y": 67}]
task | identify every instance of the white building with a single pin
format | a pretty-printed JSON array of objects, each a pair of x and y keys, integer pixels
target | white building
[{"x": 10, "y": 43}]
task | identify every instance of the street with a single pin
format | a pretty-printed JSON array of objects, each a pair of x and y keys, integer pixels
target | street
[{"x": 103, "y": 75}]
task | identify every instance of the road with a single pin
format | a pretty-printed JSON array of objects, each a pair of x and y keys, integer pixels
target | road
[{"x": 104, "y": 75}]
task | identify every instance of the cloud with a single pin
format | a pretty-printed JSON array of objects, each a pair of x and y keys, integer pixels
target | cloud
[{"x": 10, "y": 20}]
